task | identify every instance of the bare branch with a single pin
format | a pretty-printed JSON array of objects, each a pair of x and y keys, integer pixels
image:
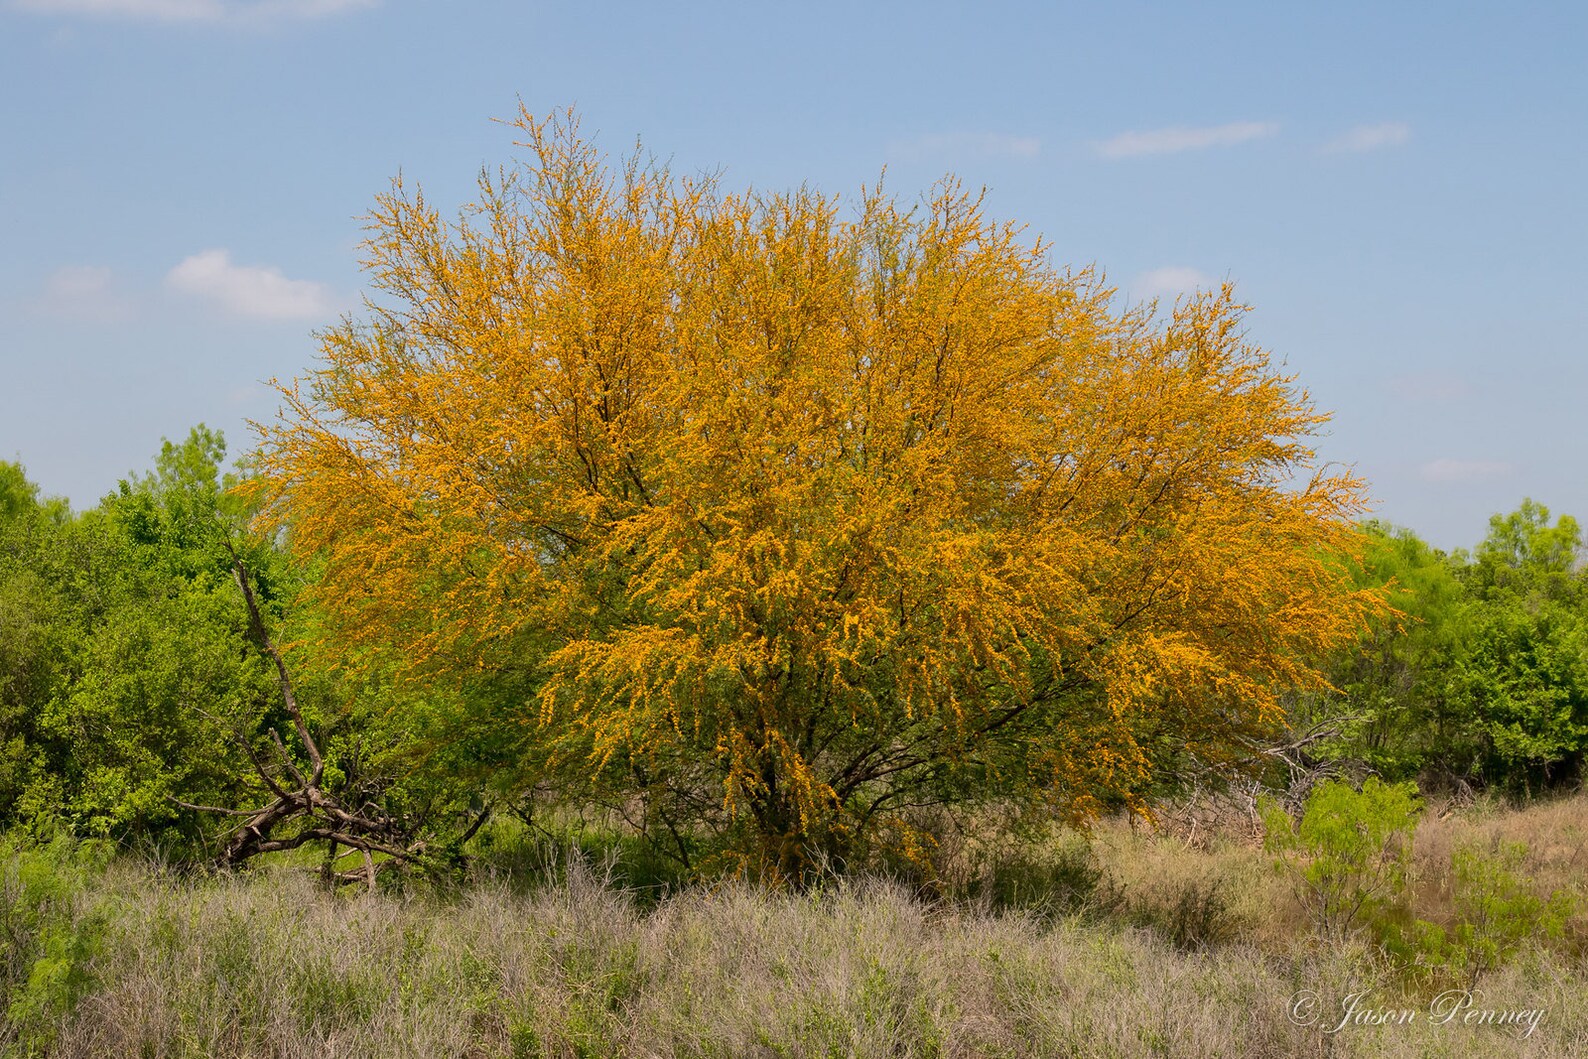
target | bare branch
[{"x": 256, "y": 619}]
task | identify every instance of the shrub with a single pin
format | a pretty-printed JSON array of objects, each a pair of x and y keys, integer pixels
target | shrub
[
  {"x": 1497, "y": 909},
  {"x": 1350, "y": 853},
  {"x": 1198, "y": 916}
]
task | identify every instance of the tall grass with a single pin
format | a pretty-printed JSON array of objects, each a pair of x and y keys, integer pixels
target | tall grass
[{"x": 271, "y": 964}]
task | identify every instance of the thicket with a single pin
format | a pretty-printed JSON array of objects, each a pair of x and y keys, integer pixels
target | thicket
[
  {"x": 132, "y": 688},
  {"x": 1480, "y": 680}
]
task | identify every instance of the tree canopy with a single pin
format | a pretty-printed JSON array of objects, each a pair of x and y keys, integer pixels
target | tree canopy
[
  {"x": 788, "y": 518},
  {"x": 1482, "y": 675},
  {"x": 124, "y": 673}
]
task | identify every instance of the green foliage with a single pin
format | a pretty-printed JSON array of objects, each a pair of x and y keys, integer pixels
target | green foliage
[
  {"x": 1524, "y": 676},
  {"x": 1350, "y": 859},
  {"x": 1350, "y": 853},
  {"x": 1392, "y": 709},
  {"x": 1525, "y": 555},
  {"x": 1524, "y": 680},
  {"x": 18, "y": 496},
  {"x": 1483, "y": 676},
  {"x": 125, "y": 668},
  {"x": 46, "y": 938},
  {"x": 32, "y": 645},
  {"x": 1497, "y": 910},
  {"x": 130, "y": 679}
]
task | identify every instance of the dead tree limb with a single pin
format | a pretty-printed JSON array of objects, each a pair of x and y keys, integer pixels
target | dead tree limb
[
  {"x": 1306, "y": 771},
  {"x": 317, "y": 814}
]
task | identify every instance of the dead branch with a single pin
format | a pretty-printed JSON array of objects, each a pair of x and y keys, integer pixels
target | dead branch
[{"x": 319, "y": 814}]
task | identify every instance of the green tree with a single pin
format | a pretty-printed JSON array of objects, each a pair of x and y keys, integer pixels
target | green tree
[
  {"x": 1498, "y": 909},
  {"x": 1523, "y": 674},
  {"x": 1525, "y": 556},
  {"x": 128, "y": 671},
  {"x": 18, "y": 496},
  {"x": 33, "y": 640},
  {"x": 1482, "y": 674},
  {"x": 1350, "y": 852},
  {"x": 1392, "y": 705}
]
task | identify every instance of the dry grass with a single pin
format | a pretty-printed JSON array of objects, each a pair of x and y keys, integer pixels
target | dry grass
[
  {"x": 1153, "y": 869},
  {"x": 1157, "y": 864},
  {"x": 1554, "y": 831},
  {"x": 272, "y": 965}
]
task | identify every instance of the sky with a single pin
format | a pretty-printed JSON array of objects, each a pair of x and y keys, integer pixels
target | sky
[{"x": 1397, "y": 190}]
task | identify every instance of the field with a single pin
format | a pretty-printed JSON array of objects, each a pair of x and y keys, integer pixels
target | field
[{"x": 1177, "y": 941}]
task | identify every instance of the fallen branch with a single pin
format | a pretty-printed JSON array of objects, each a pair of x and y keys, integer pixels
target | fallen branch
[{"x": 322, "y": 814}]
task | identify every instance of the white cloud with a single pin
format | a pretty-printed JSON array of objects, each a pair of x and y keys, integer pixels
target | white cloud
[
  {"x": 1184, "y": 138},
  {"x": 1446, "y": 470},
  {"x": 77, "y": 282},
  {"x": 84, "y": 292},
  {"x": 976, "y": 144},
  {"x": 249, "y": 290},
  {"x": 237, "y": 11},
  {"x": 1369, "y": 138},
  {"x": 1171, "y": 282}
]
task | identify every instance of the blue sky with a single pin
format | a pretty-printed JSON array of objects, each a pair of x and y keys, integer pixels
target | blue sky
[{"x": 1396, "y": 189}]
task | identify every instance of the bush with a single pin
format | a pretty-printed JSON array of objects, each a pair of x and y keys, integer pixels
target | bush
[
  {"x": 1062, "y": 883},
  {"x": 1497, "y": 909},
  {"x": 1350, "y": 853},
  {"x": 1197, "y": 916}
]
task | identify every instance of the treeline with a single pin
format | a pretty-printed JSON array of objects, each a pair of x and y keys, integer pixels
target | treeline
[
  {"x": 136, "y": 700},
  {"x": 123, "y": 658},
  {"x": 1481, "y": 677},
  {"x": 133, "y": 691}
]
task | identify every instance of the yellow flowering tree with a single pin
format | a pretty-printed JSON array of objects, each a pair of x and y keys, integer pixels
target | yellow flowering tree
[{"x": 805, "y": 516}]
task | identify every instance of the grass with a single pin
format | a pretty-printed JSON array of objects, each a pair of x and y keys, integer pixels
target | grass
[{"x": 271, "y": 964}]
